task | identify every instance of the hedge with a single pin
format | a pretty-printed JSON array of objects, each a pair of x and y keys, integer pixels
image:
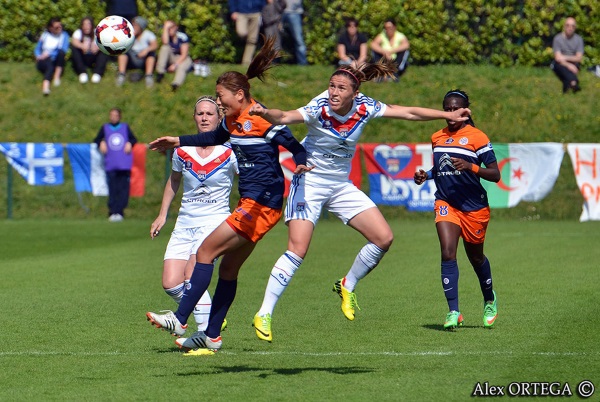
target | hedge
[{"x": 502, "y": 33}]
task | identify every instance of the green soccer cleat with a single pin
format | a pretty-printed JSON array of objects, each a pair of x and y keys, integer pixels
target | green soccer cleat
[
  {"x": 453, "y": 319},
  {"x": 262, "y": 326},
  {"x": 490, "y": 312},
  {"x": 348, "y": 299},
  {"x": 224, "y": 325}
]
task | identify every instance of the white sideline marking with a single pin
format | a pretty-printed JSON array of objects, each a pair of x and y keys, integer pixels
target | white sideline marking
[{"x": 317, "y": 354}]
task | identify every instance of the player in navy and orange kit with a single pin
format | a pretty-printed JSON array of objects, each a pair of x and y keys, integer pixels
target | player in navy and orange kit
[
  {"x": 461, "y": 204},
  {"x": 255, "y": 142}
]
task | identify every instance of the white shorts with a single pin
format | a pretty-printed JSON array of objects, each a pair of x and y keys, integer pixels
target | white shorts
[
  {"x": 307, "y": 198},
  {"x": 184, "y": 242}
]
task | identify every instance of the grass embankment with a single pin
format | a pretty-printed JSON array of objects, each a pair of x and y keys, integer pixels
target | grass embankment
[{"x": 510, "y": 105}]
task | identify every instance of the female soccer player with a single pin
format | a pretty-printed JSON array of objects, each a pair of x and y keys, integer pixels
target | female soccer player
[
  {"x": 461, "y": 204},
  {"x": 255, "y": 142},
  {"x": 336, "y": 119},
  {"x": 207, "y": 174}
]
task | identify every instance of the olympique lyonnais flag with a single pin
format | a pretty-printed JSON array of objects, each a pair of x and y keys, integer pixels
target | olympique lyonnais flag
[
  {"x": 528, "y": 172},
  {"x": 288, "y": 165},
  {"x": 391, "y": 168},
  {"x": 39, "y": 164},
  {"x": 586, "y": 166},
  {"x": 88, "y": 169}
]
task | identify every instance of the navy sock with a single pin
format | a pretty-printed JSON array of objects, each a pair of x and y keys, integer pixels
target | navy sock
[
  {"x": 194, "y": 290},
  {"x": 450, "y": 283},
  {"x": 222, "y": 300},
  {"x": 484, "y": 273}
]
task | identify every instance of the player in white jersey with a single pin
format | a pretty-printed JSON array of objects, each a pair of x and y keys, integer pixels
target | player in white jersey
[
  {"x": 335, "y": 120},
  {"x": 207, "y": 174}
]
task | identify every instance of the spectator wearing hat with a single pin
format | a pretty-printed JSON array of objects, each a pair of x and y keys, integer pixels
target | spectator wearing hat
[{"x": 142, "y": 54}]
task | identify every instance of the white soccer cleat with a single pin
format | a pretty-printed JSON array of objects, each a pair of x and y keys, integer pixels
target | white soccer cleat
[
  {"x": 167, "y": 321},
  {"x": 199, "y": 340}
]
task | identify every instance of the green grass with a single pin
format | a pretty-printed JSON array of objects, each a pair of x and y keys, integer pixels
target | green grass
[
  {"x": 74, "y": 294},
  {"x": 517, "y": 104}
]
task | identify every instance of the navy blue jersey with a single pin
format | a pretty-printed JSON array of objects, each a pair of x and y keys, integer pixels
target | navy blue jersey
[
  {"x": 460, "y": 189},
  {"x": 255, "y": 142}
]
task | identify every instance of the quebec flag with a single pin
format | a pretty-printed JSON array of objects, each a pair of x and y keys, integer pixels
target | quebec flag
[
  {"x": 88, "y": 169},
  {"x": 39, "y": 164}
]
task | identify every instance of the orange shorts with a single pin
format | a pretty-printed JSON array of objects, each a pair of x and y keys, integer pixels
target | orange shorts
[
  {"x": 252, "y": 220},
  {"x": 473, "y": 224}
]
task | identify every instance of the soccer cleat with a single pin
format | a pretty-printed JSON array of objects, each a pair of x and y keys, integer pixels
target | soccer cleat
[
  {"x": 200, "y": 352},
  {"x": 453, "y": 319},
  {"x": 348, "y": 299},
  {"x": 199, "y": 340},
  {"x": 224, "y": 325},
  {"x": 167, "y": 321},
  {"x": 96, "y": 78},
  {"x": 83, "y": 78},
  {"x": 490, "y": 312},
  {"x": 262, "y": 326}
]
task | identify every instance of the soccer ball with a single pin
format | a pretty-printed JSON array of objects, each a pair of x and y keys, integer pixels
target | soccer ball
[{"x": 114, "y": 35}]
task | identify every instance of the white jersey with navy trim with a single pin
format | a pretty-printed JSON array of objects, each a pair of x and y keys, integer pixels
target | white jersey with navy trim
[
  {"x": 207, "y": 184},
  {"x": 331, "y": 140}
]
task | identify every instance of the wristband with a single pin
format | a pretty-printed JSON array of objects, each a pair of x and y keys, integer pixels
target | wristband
[
  {"x": 474, "y": 168},
  {"x": 429, "y": 174}
]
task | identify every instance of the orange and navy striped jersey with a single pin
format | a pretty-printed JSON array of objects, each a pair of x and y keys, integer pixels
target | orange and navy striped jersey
[
  {"x": 255, "y": 142},
  {"x": 460, "y": 189}
]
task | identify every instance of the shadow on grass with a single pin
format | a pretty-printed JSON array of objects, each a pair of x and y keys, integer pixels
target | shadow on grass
[
  {"x": 264, "y": 373},
  {"x": 440, "y": 327}
]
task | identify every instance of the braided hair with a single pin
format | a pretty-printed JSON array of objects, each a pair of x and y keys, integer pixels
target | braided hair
[{"x": 464, "y": 99}]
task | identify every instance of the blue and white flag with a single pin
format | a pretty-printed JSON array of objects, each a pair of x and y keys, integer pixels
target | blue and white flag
[
  {"x": 88, "y": 169},
  {"x": 39, "y": 164}
]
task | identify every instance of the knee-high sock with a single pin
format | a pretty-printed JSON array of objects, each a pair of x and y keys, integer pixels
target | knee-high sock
[
  {"x": 202, "y": 311},
  {"x": 198, "y": 284},
  {"x": 176, "y": 292},
  {"x": 222, "y": 300},
  {"x": 280, "y": 278},
  {"x": 367, "y": 259},
  {"x": 484, "y": 273},
  {"x": 450, "y": 283}
]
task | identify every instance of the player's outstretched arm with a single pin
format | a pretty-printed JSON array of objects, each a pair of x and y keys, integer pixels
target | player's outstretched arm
[
  {"x": 423, "y": 114},
  {"x": 276, "y": 116},
  {"x": 164, "y": 143}
]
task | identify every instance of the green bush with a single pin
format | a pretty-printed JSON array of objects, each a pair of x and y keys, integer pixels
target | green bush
[{"x": 503, "y": 33}]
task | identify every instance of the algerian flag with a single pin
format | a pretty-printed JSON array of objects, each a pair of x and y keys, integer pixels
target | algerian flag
[{"x": 528, "y": 172}]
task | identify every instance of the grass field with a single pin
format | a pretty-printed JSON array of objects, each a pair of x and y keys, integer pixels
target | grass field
[{"x": 74, "y": 294}]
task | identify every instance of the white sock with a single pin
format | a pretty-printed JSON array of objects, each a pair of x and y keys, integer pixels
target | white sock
[
  {"x": 367, "y": 259},
  {"x": 202, "y": 311},
  {"x": 176, "y": 292},
  {"x": 280, "y": 278}
]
